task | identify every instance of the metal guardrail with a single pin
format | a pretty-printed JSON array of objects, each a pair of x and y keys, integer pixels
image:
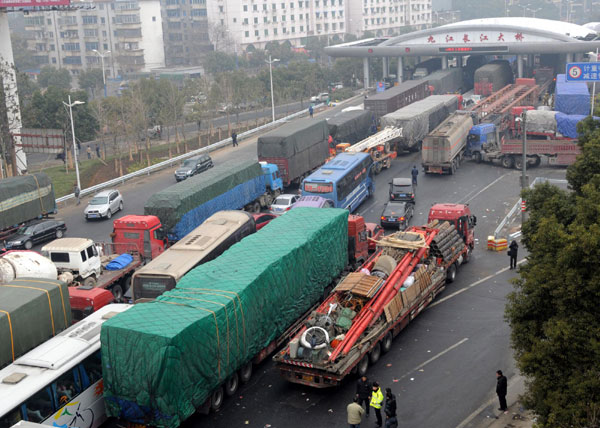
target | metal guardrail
[
  {"x": 177, "y": 159},
  {"x": 516, "y": 207}
]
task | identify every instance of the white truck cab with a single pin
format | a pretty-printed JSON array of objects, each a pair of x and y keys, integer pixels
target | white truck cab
[{"x": 76, "y": 255}]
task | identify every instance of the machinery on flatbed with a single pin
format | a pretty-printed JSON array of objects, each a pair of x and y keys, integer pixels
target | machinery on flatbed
[{"x": 380, "y": 146}]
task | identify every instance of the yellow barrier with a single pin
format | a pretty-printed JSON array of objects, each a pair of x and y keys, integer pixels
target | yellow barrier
[{"x": 496, "y": 244}]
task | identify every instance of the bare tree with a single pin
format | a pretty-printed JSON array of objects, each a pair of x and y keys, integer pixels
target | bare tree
[{"x": 10, "y": 121}]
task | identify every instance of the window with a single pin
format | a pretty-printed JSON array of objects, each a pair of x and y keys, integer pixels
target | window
[
  {"x": 102, "y": 20},
  {"x": 104, "y": 34},
  {"x": 265, "y": 6},
  {"x": 293, "y": 29},
  {"x": 266, "y": 32},
  {"x": 291, "y": 5},
  {"x": 105, "y": 46},
  {"x": 90, "y": 19},
  {"x": 255, "y": 20},
  {"x": 60, "y": 257},
  {"x": 302, "y": 28},
  {"x": 265, "y": 20},
  {"x": 83, "y": 256},
  {"x": 154, "y": 19},
  {"x": 318, "y": 27},
  {"x": 172, "y": 13},
  {"x": 245, "y": 21},
  {"x": 333, "y": 26},
  {"x": 292, "y": 17},
  {"x": 317, "y": 3},
  {"x": 221, "y": 9},
  {"x": 326, "y": 26},
  {"x": 284, "y": 30},
  {"x": 90, "y": 46},
  {"x": 52, "y": 47},
  {"x": 67, "y": 387},
  {"x": 49, "y": 21},
  {"x": 274, "y": 19},
  {"x": 53, "y": 60},
  {"x": 283, "y": 18},
  {"x": 273, "y": 6},
  {"x": 39, "y": 406},
  {"x": 274, "y": 31},
  {"x": 341, "y": 13},
  {"x": 247, "y": 34},
  {"x": 283, "y": 5},
  {"x": 256, "y": 33},
  {"x": 90, "y": 32},
  {"x": 71, "y": 47},
  {"x": 91, "y": 370},
  {"x": 234, "y": 20},
  {"x": 255, "y": 7},
  {"x": 324, "y": 2}
]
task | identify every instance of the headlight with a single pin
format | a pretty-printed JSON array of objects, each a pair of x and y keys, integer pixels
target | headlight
[{"x": 189, "y": 172}]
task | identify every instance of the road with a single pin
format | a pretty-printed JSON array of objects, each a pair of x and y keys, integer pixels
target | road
[{"x": 442, "y": 366}]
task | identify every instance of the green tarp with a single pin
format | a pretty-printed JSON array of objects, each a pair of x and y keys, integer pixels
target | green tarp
[
  {"x": 172, "y": 203},
  {"x": 24, "y": 198},
  {"x": 163, "y": 359},
  {"x": 350, "y": 126},
  {"x": 32, "y": 310}
]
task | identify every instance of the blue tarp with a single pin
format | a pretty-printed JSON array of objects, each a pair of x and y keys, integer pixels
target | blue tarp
[
  {"x": 571, "y": 97},
  {"x": 567, "y": 124},
  {"x": 120, "y": 262}
]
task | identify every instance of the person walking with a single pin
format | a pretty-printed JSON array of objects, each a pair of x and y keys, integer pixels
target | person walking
[
  {"x": 391, "y": 421},
  {"x": 311, "y": 110},
  {"x": 98, "y": 151},
  {"x": 77, "y": 192},
  {"x": 376, "y": 402},
  {"x": 355, "y": 413},
  {"x": 89, "y": 152},
  {"x": 501, "y": 387},
  {"x": 234, "y": 139},
  {"x": 363, "y": 392},
  {"x": 414, "y": 173},
  {"x": 513, "y": 250}
]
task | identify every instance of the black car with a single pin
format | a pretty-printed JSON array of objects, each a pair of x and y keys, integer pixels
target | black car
[
  {"x": 193, "y": 166},
  {"x": 34, "y": 233},
  {"x": 401, "y": 189},
  {"x": 396, "y": 214}
]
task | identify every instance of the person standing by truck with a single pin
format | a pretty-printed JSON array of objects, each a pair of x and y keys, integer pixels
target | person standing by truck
[
  {"x": 376, "y": 402},
  {"x": 513, "y": 250},
  {"x": 355, "y": 413},
  {"x": 391, "y": 421},
  {"x": 363, "y": 392},
  {"x": 414, "y": 172}
]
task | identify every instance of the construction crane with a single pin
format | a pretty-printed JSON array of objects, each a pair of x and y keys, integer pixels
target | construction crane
[{"x": 379, "y": 146}]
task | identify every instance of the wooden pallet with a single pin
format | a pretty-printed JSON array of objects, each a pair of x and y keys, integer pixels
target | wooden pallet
[{"x": 360, "y": 284}]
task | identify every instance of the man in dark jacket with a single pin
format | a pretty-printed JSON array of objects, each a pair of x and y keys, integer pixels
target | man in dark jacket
[
  {"x": 501, "y": 387},
  {"x": 390, "y": 409},
  {"x": 363, "y": 391},
  {"x": 513, "y": 250}
]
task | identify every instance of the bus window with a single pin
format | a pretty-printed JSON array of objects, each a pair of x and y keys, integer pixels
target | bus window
[
  {"x": 91, "y": 370},
  {"x": 67, "y": 388},
  {"x": 39, "y": 406},
  {"x": 10, "y": 418}
]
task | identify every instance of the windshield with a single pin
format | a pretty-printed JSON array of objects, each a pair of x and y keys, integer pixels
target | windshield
[
  {"x": 188, "y": 163},
  {"x": 394, "y": 209},
  {"x": 282, "y": 201},
  {"x": 25, "y": 230},
  {"x": 99, "y": 200},
  {"x": 401, "y": 189}
]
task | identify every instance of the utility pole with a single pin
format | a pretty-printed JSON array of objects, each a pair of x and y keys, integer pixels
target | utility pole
[
  {"x": 70, "y": 105},
  {"x": 271, "y": 62},
  {"x": 524, "y": 168}
]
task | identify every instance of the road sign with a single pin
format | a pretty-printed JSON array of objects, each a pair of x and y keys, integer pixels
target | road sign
[{"x": 583, "y": 72}]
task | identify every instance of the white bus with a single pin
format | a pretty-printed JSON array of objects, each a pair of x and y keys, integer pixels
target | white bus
[{"x": 59, "y": 383}]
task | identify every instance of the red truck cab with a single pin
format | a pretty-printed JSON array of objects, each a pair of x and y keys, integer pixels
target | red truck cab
[
  {"x": 85, "y": 301},
  {"x": 358, "y": 242},
  {"x": 145, "y": 231},
  {"x": 460, "y": 216}
]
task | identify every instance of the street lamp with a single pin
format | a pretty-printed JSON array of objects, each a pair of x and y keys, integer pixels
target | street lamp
[
  {"x": 271, "y": 62},
  {"x": 70, "y": 105},
  {"x": 533, "y": 11},
  {"x": 102, "y": 55}
]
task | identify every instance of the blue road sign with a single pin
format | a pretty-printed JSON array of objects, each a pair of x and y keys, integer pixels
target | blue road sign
[{"x": 583, "y": 72}]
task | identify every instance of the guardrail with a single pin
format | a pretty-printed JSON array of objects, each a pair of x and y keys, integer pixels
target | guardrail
[
  {"x": 177, "y": 159},
  {"x": 516, "y": 207}
]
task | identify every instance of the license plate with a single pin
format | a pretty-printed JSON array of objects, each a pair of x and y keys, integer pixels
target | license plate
[
  {"x": 392, "y": 219},
  {"x": 436, "y": 169},
  {"x": 93, "y": 215},
  {"x": 308, "y": 378}
]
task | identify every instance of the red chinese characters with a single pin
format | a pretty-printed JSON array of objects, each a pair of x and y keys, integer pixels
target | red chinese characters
[
  {"x": 449, "y": 39},
  {"x": 430, "y": 39},
  {"x": 483, "y": 38},
  {"x": 466, "y": 38},
  {"x": 519, "y": 37},
  {"x": 501, "y": 37}
]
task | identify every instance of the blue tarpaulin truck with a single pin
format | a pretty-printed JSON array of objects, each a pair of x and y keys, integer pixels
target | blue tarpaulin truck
[
  {"x": 571, "y": 97},
  {"x": 232, "y": 185}
]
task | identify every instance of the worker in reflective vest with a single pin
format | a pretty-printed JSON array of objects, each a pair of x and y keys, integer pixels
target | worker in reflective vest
[{"x": 377, "y": 402}]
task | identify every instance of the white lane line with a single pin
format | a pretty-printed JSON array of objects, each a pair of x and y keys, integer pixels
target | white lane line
[
  {"x": 486, "y": 187},
  {"x": 420, "y": 366},
  {"x": 468, "y": 287}
]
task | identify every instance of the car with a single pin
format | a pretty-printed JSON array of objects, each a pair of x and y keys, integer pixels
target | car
[
  {"x": 283, "y": 203},
  {"x": 401, "y": 189},
  {"x": 35, "y": 232},
  {"x": 104, "y": 204},
  {"x": 262, "y": 219},
  {"x": 313, "y": 201},
  {"x": 375, "y": 232},
  {"x": 193, "y": 166},
  {"x": 322, "y": 97},
  {"x": 396, "y": 214}
]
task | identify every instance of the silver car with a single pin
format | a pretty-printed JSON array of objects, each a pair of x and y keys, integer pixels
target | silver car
[{"x": 104, "y": 204}]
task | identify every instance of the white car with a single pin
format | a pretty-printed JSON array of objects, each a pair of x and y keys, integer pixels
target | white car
[
  {"x": 283, "y": 203},
  {"x": 104, "y": 204},
  {"x": 322, "y": 97}
]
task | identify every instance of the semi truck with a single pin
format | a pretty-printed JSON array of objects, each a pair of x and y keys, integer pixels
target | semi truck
[
  {"x": 571, "y": 97},
  {"x": 24, "y": 198},
  {"x": 297, "y": 148},
  {"x": 368, "y": 308},
  {"x": 419, "y": 118},
  {"x": 444, "y": 148},
  {"x": 224, "y": 317},
  {"x": 350, "y": 127},
  {"x": 396, "y": 97},
  {"x": 239, "y": 184},
  {"x": 491, "y": 77},
  {"x": 448, "y": 81}
]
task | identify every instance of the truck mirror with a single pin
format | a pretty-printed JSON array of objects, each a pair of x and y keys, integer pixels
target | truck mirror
[{"x": 474, "y": 220}]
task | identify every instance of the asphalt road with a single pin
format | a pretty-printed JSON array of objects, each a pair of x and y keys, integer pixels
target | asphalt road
[{"x": 442, "y": 366}]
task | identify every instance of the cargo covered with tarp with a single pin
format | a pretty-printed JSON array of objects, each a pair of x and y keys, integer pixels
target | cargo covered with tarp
[
  {"x": 566, "y": 124},
  {"x": 162, "y": 360},
  {"x": 25, "y": 198},
  {"x": 541, "y": 122},
  {"x": 350, "y": 126},
  {"x": 396, "y": 97},
  {"x": 419, "y": 118},
  {"x": 228, "y": 186},
  {"x": 492, "y": 77},
  {"x": 296, "y": 148},
  {"x": 32, "y": 310},
  {"x": 446, "y": 81},
  {"x": 571, "y": 97}
]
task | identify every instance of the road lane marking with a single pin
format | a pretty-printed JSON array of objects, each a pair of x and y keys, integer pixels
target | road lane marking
[
  {"x": 486, "y": 187},
  {"x": 435, "y": 357}
]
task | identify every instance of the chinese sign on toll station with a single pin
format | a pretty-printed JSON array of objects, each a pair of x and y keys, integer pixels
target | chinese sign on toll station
[{"x": 583, "y": 72}]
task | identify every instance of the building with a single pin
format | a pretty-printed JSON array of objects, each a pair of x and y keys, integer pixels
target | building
[{"x": 386, "y": 17}]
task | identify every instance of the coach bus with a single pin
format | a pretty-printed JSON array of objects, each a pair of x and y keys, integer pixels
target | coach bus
[
  {"x": 347, "y": 180},
  {"x": 208, "y": 241},
  {"x": 59, "y": 383}
]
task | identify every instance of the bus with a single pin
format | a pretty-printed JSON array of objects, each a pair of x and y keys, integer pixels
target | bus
[
  {"x": 347, "y": 180},
  {"x": 208, "y": 241},
  {"x": 59, "y": 383}
]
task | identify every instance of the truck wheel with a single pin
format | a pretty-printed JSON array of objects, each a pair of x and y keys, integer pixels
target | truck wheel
[
  {"x": 467, "y": 256},
  {"x": 536, "y": 161},
  {"x": 117, "y": 291},
  {"x": 232, "y": 384},
  {"x": 59, "y": 234},
  {"x": 89, "y": 282},
  {"x": 246, "y": 372},
  {"x": 217, "y": 398},
  {"x": 386, "y": 343},
  {"x": 477, "y": 157},
  {"x": 453, "y": 168},
  {"x": 28, "y": 245},
  {"x": 375, "y": 353},
  {"x": 363, "y": 366},
  {"x": 256, "y": 207},
  {"x": 519, "y": 163},
  {"x": 507, "y": 161},
  {"x": 451, "y": 275},
  {"x": 377, "y": 167}
]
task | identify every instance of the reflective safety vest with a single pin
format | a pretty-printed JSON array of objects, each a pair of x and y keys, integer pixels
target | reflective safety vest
[{"x": 377, "y": 399}]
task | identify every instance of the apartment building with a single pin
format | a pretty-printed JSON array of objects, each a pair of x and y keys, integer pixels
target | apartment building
[{"x": 386, "y": 17}]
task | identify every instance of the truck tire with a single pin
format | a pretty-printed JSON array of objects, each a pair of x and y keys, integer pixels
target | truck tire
[
  {"x": 363, "y": 366},
  {"x": 59, "y": 233},
  {"x": 451, "y": 274},
  {"x": 519, "y": 163},
  {"x": 536, "y": 161},
  {"x": 507, "y": 161},
  {"x": 117, "y": 291},
  {"x": 246, "y": 372},
  {"x": 377, "y": 167},
  {"x": 216, "y": 399},
  {"x": 453, "y": 167},
  {"x": 232, "y": 384},
  {"x": 375, "y": 353},
  {"x": 477, "y": 157},
  {"x": 89, "y": 282},
  {"x": 386, "y": 343},
  {"x": 28, "y": 245},
  {"x": 256, "y": 207},
  {"x": 467, "y": 256}
]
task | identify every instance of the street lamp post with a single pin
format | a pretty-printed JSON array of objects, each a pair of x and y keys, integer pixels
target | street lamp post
[
  {"x": 271, "y": 62},
  {"x": 524, "y": 160},
  {"x": 102, "y": 55},
  {"x": 70, "y": 105}
]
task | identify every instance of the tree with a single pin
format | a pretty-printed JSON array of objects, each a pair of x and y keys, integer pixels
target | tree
[
  {"x": 24, "y": 58},
  {"x": 91, "y": 80},
  {"x": 218, "y": 62},
  {"x": 588, "y": 166}
]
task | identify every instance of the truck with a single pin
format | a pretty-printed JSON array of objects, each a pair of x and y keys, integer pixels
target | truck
[
  {"x": 225, "y": 317},
  {"x": 419, "y": 118},
  {"x": 25, "y": 264},
  {"x": 237, "y": 184},
  {"x": 145, "y": 232},
  {"x": 381, "y": 146},
  {"x": 350, "y": 127},
  {"x": 297, "y": 148},
  {"x": 368, "y": 308},
  {"x": 491, "y": 77},
  {"x": 24, "y": 198},
  {"x": 571, "y": 97},
  {"x": 396, "y": 97},
  {"x": 444, "y": 147},
  {"x": 448, "y": 81},
  {"x": 426, "y": 67}
]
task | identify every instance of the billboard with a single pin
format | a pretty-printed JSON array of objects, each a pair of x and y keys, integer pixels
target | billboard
[
  {"x": 33, "y": 3},
  {"x": 41, "y": 140}
]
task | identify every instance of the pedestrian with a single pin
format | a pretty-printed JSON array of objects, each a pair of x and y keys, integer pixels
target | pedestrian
[
  {"x": 98, "y": 151},
  {"x": 376, "y": 402},
  {"x": 78, "y": 147},
  {"x": 391, "y": 421},
  {"x": 513, "y": 250},
  {"x": 414, "y": 173},
  {"x": 89, "y": 152},
  {"x": 355, "y": 413},
  {"x": 501, "y": 386},
  {"x": 363, "y": 392},
  {"x": 311, "y": 110},
  {"x": 234, "y": 139},
  {"x": 77, "y": 192}
]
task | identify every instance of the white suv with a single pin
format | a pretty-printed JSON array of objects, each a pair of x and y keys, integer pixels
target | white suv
[{"x": 104, "y": 205}]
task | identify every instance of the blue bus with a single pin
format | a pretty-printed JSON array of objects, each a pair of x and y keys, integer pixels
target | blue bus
[{"x": 347, "y": 180}]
